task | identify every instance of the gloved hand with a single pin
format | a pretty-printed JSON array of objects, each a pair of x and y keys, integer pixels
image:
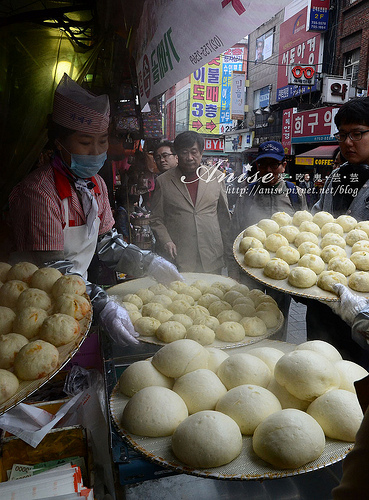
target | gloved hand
[
  {"x": 116, "y": 322},
  {"x": 163, "y": 271},
  {"x": 349, "y": 304}
]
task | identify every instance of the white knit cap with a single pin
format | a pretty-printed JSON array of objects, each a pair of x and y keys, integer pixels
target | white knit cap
[{"x": 78, "y": 109}]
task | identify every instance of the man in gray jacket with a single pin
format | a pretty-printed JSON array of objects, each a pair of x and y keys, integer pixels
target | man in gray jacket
[{"x": 346, "y": 191}]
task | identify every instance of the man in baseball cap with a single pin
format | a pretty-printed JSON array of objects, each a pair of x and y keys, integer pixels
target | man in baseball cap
[
  {"x": 270, "y": 162},
  {"x": 270, "y": 193}
]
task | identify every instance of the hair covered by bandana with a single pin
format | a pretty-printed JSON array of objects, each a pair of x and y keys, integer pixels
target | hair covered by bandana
[{"x": 78, "y": 109}]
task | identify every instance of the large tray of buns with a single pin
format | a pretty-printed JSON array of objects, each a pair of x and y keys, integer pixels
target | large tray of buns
[
  {"x": 44, "y": 319},
  {"x": 306, "y": 254},
  {"x": 203, "y": 286},
  {"x": 247, "y": 465}
]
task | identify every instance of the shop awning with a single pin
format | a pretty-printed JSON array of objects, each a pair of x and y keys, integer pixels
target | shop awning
[{"x": 322, "y": 155}]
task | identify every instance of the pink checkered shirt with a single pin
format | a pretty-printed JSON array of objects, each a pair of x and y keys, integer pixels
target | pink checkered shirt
[{"x": 37, "y": 212}]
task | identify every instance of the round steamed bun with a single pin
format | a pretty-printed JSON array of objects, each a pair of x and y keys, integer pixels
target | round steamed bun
[
  {"x": 7, "y": 317},
  {"x": 216, "y": 358},
  {"x": 288, "y": 439},
  {"x": 207, "y": 439},
  {"x": 302, "y": 277},
  {"x": 10, "y": 345},
  {"x": 201, "y": 334},
  {"x": 180, "y": 357},
  {"x": 70, "y": 283},
  {"x": 200, "y": 390},
  {"x": 36, "y": 360},
  {"x": 256, "y": 257},
  {"x": 154, "y": 412},
  {"x": 274, "y": 241},
  {"x": 349, "y": 372},
  {"x": 358, "y": 281},
  {"x": 306, "y": 374},
  {"x": 242, "y": 368},
  {"x": 347, "y": 222},
  {"x": 45, "y": 278},
  {"x": 10, "y": 292},
  {"x": 339, "y": 414},
  {"x": 171, "y": 331},
  {"x": 255, "y": 232},
  {"x": 322, "y": 218},
  {"x": 282, "y": 218},
  {"x": 289, "y": 232},
  {"x": 248, "y": 405},
  {"x": 142, "y": 374},
  {"x": 29, "y": 321},
  {"x": 327, "y": 279},
  {"x": 59, "y": 329},
  {"x": 300, "y": 216},
  {"x": 22, "y": 271},
  {"x": 253, "y": 326},
  {"x": 313, "y": 262},
  {"x": 269, "y": 226},
  {"x": 288, "y": 254},
  {"x": 8, "y": 385},
  {"x": 356, "y": 235},
  {"x": 321, "y": 347},
  {"x": 146, "y": 326}
]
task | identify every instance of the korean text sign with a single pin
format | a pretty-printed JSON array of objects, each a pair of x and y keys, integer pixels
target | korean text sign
[
  {"x": 312, "y": 126},
  {"x": 296, "y": 46},
  {"x": 210, "y": 98}
]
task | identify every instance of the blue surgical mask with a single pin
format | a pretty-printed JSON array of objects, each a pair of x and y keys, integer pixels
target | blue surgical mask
[{"x": 85, "y": 166}]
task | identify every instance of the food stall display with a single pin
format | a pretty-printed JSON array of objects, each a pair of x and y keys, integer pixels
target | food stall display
[
  {"x": 306, "y": 254},
  {"x": 44, "y": 318},
  {"x": 213, "y": 310},
  {"x": 287, "y": 401}
]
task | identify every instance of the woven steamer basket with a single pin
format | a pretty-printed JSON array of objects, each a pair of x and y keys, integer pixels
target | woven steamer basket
[
  {"x": 247, "y": 466},
  {"x": 313, "y": 292},
  {"x": 189, "y": 278}
]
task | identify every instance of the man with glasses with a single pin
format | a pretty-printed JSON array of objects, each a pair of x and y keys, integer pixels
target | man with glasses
[
  {"x": 165, "y": 156},
  {"x": 190, "y": 216},
  {"x": 346, "y": 191}
]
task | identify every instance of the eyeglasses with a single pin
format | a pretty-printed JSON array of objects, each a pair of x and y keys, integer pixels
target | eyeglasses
[
  {"x": 164, "y": 156},
  {"x": 354, "y": 135},
  {"x": 273, "y": 166}
]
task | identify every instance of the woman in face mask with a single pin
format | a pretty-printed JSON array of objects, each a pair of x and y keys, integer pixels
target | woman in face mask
[{"x": 60, "y": 212}]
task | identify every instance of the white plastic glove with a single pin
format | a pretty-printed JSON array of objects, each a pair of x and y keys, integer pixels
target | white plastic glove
[
  {"x": 349, "y": 305},
  {"x": 163, "y": 271},
  {"x": 117, "y": 323}
]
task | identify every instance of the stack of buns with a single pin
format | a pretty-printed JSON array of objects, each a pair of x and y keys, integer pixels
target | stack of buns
[
  {"x": 206, "y": 399},
  {"x": 40, "y": 310}
]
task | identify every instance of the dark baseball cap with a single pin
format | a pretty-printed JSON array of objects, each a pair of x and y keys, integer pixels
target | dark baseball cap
[{"x": 271, "y": 149}]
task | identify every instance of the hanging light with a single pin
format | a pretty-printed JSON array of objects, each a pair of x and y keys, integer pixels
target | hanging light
[
  {"x": 258, "y": 112},
  {"x": 267, "y": 109}
]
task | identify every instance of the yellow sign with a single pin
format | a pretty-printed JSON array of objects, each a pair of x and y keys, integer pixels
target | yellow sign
[
  {"x": 304, "y": 161},
  {"x": 206, "y": 88}
]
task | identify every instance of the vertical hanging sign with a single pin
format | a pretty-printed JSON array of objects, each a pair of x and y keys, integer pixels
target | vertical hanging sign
[{"x": 238, "y": 95}]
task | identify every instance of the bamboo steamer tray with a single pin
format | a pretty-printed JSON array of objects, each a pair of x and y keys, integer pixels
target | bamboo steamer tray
[
  {"x": 66, "y": 353},
  {"x": 313, "y": 292},
  {"x": 134, "y": 285},
  {"x": 247, "y": 466}
]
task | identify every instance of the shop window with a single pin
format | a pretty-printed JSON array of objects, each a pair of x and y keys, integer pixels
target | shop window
[
  {"x": 182, "y": 107},
  {"x": 351, "y": 66}
]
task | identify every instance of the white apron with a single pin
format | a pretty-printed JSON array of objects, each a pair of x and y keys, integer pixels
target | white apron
[{"x": 78, "y": 248}]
